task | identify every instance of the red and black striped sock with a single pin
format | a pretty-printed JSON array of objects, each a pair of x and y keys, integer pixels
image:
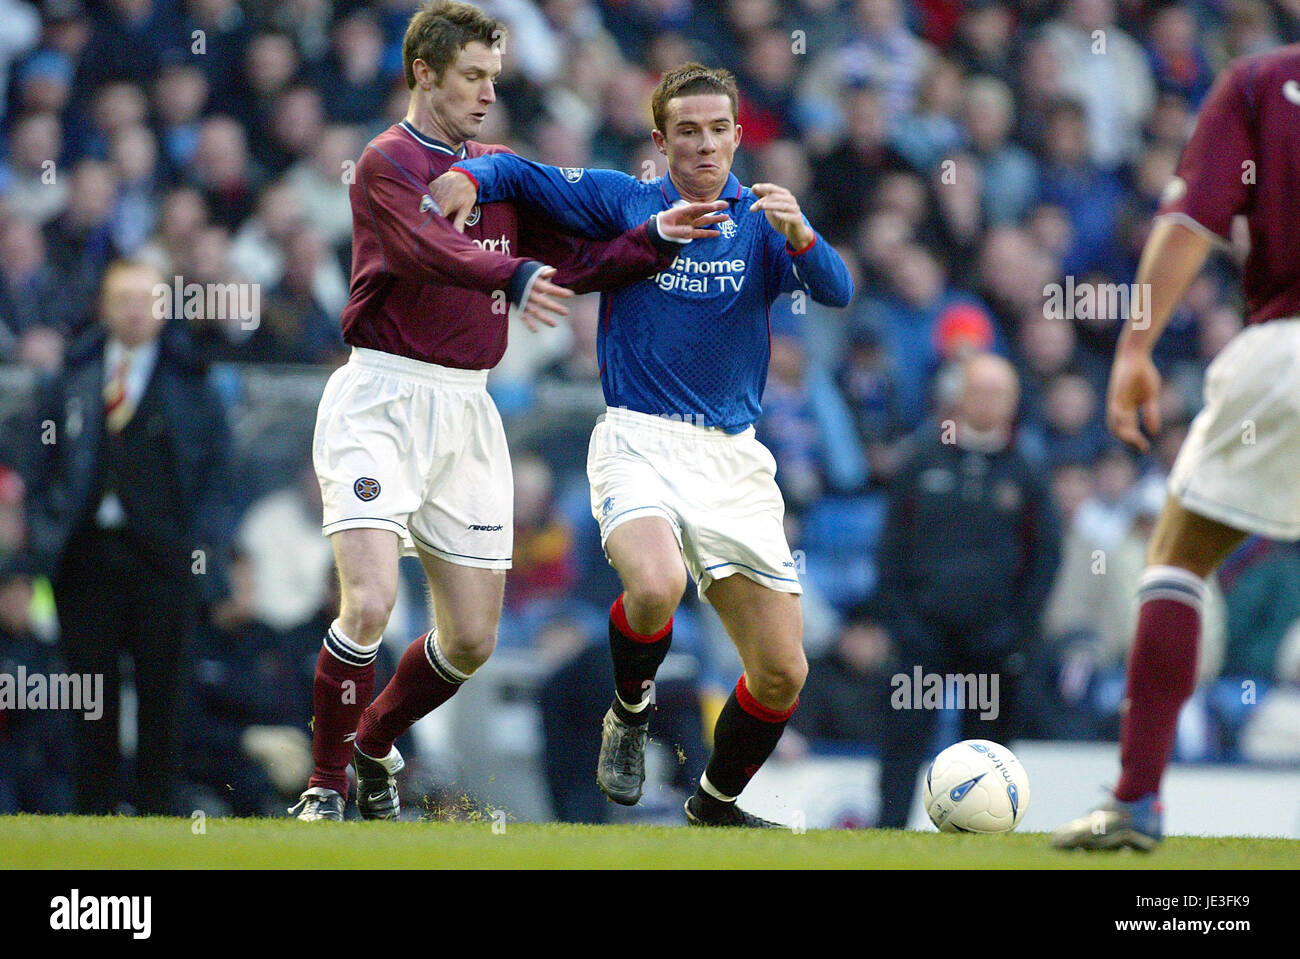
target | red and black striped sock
[
  {"x": 345, "y": 680},
  {"x": 1161, "y": 675},
  {"x": 637, "y": 657},
  {"x": 424, "y": 681},
  {"x": 745, "y": 735}
]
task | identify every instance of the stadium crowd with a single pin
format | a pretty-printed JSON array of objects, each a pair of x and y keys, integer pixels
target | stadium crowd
[{"x": 988, "y": 170}]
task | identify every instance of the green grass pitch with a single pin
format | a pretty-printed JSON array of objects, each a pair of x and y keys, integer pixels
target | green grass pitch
[{"x": 107, "y": 842}]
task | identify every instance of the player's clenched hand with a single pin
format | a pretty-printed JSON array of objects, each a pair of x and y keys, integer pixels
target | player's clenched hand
[
  {"x": 1134, "y": 390},
  {"x": 455, "y": 194},
  {"x": 690, "y": 221},
  {"x": 545, "y": 301},
  {"x": 782, "y": 211}
]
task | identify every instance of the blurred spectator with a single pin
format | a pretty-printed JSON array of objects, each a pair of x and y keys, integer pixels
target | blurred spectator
[
  {"x": 967, "y": 559},
  {"x": 180, "y": 94},
  {"x": 925, "y": 136},
  {"x": 126, "y": 516},
  {"x": 222, "y": 170},
  {"x": 846, "y": 698},
  {"x": 352, "y": 78},
  {"x": 321, "y": 182},
  {"x": 1009, "y": 175},
  {"x": 1106, "y": 70},
  {"x": 288, "y": 557},
  {"x": 1178, "y": 60},
  {"x": 849, "y": 170},
  {"x": 32, "y": 186},
  {"x": 866, "y": 381},
  {"x": 295, "y": 325},
  {"x": 34, "y": 754},
  {"x": 1086, "y": 192},
  {"x": 240, "y": 742},
  {"x": 789, "y": 427},
  {"x": 544, "y": 565},
  {"x": 31, "y": 288},
  {"x": 22, "y": 31}
]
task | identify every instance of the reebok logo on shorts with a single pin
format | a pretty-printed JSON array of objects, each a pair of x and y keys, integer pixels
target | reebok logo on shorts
[
  {"x": 366, "y": 488},
  {"x": 485, "y": 529}
]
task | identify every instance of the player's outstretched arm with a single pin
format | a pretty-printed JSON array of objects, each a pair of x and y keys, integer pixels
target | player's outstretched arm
[
  {"x": 586, "y": 202},
  {"x": 806, "y": 262},
  {"x": 417, "y": 242},
  {"x": 1171, "y": 259},
  {"x": 599, "y": 265}
]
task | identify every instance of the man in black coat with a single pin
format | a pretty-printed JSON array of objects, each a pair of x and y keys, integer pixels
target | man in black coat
[
  {"x": 967, "y": 557},
  {"x": 127, "y": 471}
]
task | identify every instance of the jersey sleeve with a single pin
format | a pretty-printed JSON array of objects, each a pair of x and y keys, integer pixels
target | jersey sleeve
[
  {"x": 590, "y": 203},
  {"x": 416, "y": 241},
  {"x": 1216, "y": 170},
  {"x": 817, "y": 269},
  {"x": 587, "y": 266}
]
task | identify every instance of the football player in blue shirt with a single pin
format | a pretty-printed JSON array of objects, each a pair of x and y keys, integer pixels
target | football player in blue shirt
[{"x": 676, "y": 472}]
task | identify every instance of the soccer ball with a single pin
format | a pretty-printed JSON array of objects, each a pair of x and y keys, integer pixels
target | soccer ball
[{"x": 976, "y": 786}]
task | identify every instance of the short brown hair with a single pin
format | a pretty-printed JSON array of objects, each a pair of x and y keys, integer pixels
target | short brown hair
[
  {"x": 440, "y": 30},
  {"x": 688, "y": 79}
]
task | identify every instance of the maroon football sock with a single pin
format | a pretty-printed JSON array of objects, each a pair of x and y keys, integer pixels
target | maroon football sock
[
  {"x": 1161, "y": 676},
  {"x": 345, "y": 680},
  {"x": 424, "y": 681}
]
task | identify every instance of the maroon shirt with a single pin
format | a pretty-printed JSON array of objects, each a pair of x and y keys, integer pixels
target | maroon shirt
[
  {"x": 422, "y": 290},
  {"x": 1244, "y": 157}
]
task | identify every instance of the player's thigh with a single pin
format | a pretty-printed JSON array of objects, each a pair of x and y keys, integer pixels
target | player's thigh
[
  {"x": 648, "y": 557},
  {"x": 767, "y": 627},
  {"x": 369, "y": 449},
  {"x": 467, "y": 608},
  {"x": 467, "y": 514},
  {"x": 366, "y": 560},
  {"x": 1190, "y": 541}
]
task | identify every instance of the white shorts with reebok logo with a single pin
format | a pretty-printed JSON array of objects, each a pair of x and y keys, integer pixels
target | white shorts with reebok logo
[
  {"x": 717, "y": 490},
  {"x": 419, "y": 449}
]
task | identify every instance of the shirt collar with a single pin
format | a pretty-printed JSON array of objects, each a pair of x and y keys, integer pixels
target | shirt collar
[
  {"x": 730, "y": 189},
  {"x": 431, "y": 143}
]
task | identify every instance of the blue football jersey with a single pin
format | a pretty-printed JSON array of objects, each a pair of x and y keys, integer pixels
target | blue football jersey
[{"x": 692, "y": 341}]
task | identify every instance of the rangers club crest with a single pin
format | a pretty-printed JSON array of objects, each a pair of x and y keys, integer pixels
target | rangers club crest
[
  {"x": 366, "y": 488},
  {"x": 727, "y": 228},
  {"x": 572, "y": 173},
  {"x": 474, "y": 215}
]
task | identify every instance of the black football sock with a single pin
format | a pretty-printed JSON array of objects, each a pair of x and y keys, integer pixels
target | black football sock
[
  {"x": 636, "y": 660},
  {"x": 745, "y": 735}
]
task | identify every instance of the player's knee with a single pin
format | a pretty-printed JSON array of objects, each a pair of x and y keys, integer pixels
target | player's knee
[
  {"x": 469, "y": 645},
  {"x": 777, "y": 684},
  {"x": 652, "y": 596},
  {"x": 364, "y": 615}
]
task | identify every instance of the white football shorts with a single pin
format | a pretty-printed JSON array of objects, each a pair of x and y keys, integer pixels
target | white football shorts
[
  {"x": 1241, "y": 458},
  {"x": 716, "y": 489},
  {"x": 419, "y": 449}
]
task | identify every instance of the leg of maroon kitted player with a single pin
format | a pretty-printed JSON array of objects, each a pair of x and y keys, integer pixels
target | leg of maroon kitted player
[
  {"x": 1161, "y": 675},
  {"x": 424, "y": 681},
  {"x": 345, "y": 680}
]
